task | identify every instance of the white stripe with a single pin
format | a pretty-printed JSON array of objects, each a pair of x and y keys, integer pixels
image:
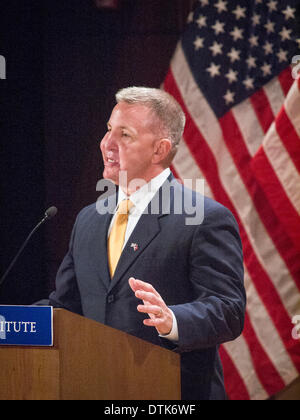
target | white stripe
[
  {"x": 208, "y": 125},
  {"x": 283, "y": 166},
  {"x": 267, "y": 334},
  {"x": 249, "y": 125},
  {"x": 274, "y": 93},
  {"x": 292, "y": 107},
  {"x": 187, "y": 168},
  {"x": 245, "y": 367}
]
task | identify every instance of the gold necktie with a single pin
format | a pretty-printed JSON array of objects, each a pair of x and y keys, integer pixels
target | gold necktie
[{"x": 117, "y": 235}]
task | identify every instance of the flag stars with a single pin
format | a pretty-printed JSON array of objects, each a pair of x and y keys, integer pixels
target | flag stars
[
  {"x": 190, "y": 18},
  {"x": 199, "y": 43},
  {"x": 270, "y": 27},
  {"x": 232, "y": 76},
  {"x": 204, "y": 3},
  {"x": 289, "y": 13},
  {"x": 214, "y": 70},
  {"x": 249, "y": 83},
  {"x": 256, "y": 19},
  {"x": 201, "y": 21},
  {"x": 237, "y": 33},
  {"x": 239, "y": 12},
  {"x": 234, "y": 55},
  {"x": 268, "y": 47},
  {"x": 272, "y": 5},
  {"x": 251, "y": 61},
  {"x": 266, "y": 69},
  {"x": 218, "y": 27},
  {"x": 253, "y": 41},
  {"x": 229, "y": 97},
  {"x": 239, "y": 58},
  {"x": 216, "y": 49},
  {"x": 285, "y": 34},
  {"x": 221, "y": 6},
  {"x": 282, "y": 56}
]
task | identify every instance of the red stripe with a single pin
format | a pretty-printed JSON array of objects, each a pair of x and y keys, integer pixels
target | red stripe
[
  {"x": 175, "y": 173},
  {"x": 286, "y": 80},
  {"x": 234, "y": 384},
  {"x": 173, "y": 170},
  {"x": 262, "y": 108},
  {"x": 281, "y": 203},
  {"x": 244, "y": 161},
  {"x": 271, "y": 300},
  {"x": 207, "y": 163},
  {"x": 266, "y": 372},
  {"x": 289, "y": 137}
]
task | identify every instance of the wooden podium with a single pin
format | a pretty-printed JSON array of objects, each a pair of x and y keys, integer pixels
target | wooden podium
[{"x": 89, "y": 361}]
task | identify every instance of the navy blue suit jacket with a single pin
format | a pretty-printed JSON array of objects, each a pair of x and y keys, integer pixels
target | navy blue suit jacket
[{"x": 197, "y": 269}]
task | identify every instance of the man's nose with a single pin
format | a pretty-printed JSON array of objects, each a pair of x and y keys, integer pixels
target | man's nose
[{"x": 108, "y": 142}]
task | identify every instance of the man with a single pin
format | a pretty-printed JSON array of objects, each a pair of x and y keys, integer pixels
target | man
[{"x": 151, "y": 273}]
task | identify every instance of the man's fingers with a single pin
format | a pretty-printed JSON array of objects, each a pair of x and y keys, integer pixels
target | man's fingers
[
  {"x": 149, "y": 297},
  {"x": 132, "y": 283},
  {"x": 153, "y": 322},
  {"x": 153, "y": 304},
  {"x": 136, "y": 284},
  {"x": 151, "y": 310}
]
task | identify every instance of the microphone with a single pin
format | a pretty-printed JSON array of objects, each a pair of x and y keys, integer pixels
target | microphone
[{"x": 49, "y": 214}]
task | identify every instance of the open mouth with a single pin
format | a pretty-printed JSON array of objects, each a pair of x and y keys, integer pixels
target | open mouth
[{"x": 111, "y": 161}]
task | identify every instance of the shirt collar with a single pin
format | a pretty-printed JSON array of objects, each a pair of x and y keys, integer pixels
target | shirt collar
[{"x": 142, "y": 197}]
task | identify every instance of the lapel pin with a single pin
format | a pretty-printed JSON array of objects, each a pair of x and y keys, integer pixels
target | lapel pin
[{"x": 134, "y": 246}]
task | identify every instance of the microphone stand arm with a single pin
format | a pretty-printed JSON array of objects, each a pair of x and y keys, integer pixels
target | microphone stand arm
[{"x": 22, "y": 249}]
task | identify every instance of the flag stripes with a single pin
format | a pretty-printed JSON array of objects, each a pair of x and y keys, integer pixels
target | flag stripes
[
  {"x": 235, "y": 387},
  {"x": 235, "y": 144},
  {"x": 228, "y": 153},
  {"x": 256, "y": 312},
  {"x": 285, "y": 80},
  {"x": 262, "y": 108}
]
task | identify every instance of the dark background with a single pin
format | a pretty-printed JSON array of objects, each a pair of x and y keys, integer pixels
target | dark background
[{"x": 65, "y": 61}]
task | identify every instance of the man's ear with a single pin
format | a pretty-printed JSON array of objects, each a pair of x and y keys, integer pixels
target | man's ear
[{"x": 162, "y": 149}]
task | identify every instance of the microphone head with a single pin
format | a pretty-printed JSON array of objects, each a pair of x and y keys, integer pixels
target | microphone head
[{"x": 51, "y": 212}]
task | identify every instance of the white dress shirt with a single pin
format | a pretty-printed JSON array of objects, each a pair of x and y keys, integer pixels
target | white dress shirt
[{"x": 141, "y": 199}]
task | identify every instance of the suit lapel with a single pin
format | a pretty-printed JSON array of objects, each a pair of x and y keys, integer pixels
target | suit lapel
[
  {"x": 105, "y": 209},
  {"x": 145, "y": 231}
]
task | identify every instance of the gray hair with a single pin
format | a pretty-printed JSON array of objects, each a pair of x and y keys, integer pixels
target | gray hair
[{"x": 164, "y": 106}]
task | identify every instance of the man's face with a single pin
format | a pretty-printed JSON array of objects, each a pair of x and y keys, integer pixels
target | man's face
[{"x": 129, "y": 143}]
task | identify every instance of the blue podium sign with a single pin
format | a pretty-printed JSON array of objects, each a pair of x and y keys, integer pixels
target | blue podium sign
[{"x": 26, "y": 325}]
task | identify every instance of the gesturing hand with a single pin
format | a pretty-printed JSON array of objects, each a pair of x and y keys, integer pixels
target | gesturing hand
[{"x": 153, "y": 305}]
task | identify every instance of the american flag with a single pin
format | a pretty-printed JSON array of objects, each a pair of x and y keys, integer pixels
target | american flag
[{"x": 231, "y": 73}]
